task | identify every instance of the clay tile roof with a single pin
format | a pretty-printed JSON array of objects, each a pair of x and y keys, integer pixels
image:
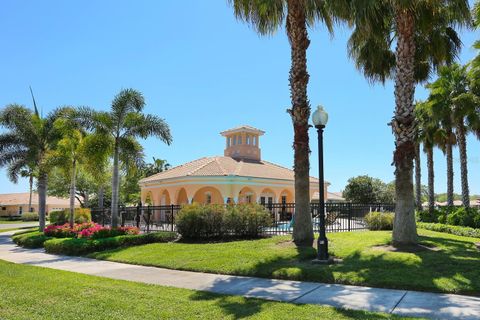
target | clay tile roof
[
  {"x": 11, "y": 199},
  {"x": 226, "y": 166},
  {"x": 243, "y": 128}
]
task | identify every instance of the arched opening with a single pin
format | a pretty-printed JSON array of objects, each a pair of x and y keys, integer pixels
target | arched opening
[
  {"x": 182, "y": 197},
  {"x": 148, "y": 201},
  {"x": 247, "y": 195},
  {"x": 160, "y": 213},
  {"x": 267, "y": 196},
  {"x": 207, "y": 195},
  {"x": 286, "y": 196}
]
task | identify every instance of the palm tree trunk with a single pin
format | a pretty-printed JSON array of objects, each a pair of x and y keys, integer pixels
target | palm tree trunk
[
  {"x": 418, "y": 178},
  {"x": 42, "y": 199},
  {"x": 449, "y": 155},
  {"x": 462, "y": 148},
  {"x": 115, "y": 187},
  {"x": 72, "y": 193},
  {"x": 431, "y": 180},
  {"x": 403, "y": 126},
  {"x": 300, "y": 113},
  {"x": 31, "y": 192}
]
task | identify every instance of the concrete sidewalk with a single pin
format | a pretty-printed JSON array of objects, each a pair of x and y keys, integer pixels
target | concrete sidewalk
[{"x": 400, "y": 302}]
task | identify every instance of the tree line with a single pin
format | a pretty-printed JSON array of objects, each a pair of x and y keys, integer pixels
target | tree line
[
  {"x": 400, "y": 40},
  {"x": 100, "y": 145}
]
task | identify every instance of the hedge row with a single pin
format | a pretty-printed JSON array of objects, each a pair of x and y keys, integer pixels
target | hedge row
[
  {"x": 30, "y": 239},
  {"x": 456, "y": 230},
  {"x": 82, "y": 246},
  {"x": 379, "y": 220}
]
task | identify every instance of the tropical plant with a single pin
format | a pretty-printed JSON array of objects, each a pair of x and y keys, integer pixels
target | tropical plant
[
  {"x": 430, "y": 135},
  {"x": 451, "y": 97},
  {"x": 424, "y": 37},
  {"x": 365, "y": 189},
  {"x": 30, "y": 140},
  {"x": 266, "y": 16},
  {"x": 121, "y": 127}
]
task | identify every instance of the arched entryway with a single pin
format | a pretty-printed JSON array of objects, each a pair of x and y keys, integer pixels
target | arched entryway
[
  {"x": 267, "y": 196},
  {"x": 286, "y": 196},
  {"x": 182, "y": 197},
  {"x": 148, "y": 201},
  {"x": 247, "y": 195},
  {"x": 160, "y": 214},
  {"x": 208, "y": 195}
]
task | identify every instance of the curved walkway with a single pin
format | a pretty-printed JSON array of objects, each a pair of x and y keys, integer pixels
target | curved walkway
[{"x": 400, "y": 302}]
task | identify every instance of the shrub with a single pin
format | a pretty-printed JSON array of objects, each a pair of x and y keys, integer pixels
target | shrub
[
  {"x": 30, "y": 216},
  {"x": 30, "y": 239},
  {"x": 198, "y": 221},
  {"x": 87, "y": 230},
  {"x": 456, "y": 230},
  {"x": 246, "y": 220},
  {"x": 429, "y": 216},
  {"x": 81, "y": 215},
  {"x": 81, "y": 246},
  {"x": 379, "y": 220},
  {"x": 466, "y": 217}
]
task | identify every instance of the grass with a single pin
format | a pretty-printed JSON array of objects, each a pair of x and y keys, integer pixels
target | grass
[
  {"x": 9, "y": 229},
  {"x": 66, "y": 295},
  {"x": 10, "y": 221},
  {"x": 453, "y": 269}
]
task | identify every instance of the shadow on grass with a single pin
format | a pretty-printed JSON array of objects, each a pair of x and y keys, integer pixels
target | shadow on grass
[{"x": 452, "y": 269}]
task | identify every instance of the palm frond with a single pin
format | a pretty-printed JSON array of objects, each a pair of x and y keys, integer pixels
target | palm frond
[{"x": 146, "y": 125}]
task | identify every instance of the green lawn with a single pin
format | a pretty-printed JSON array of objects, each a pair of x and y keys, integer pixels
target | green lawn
[
  {"x": 454, "y": 269},
  {"x": 39, "y": 293},
  {"x": 9, "y": 229},
  {"x": 10, "y": 221}
]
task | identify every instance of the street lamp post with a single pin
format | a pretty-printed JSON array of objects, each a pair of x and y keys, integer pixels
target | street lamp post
[{"x": 320, "y": 119}]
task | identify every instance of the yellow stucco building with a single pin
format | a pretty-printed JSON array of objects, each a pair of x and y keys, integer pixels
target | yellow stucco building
[{"x": 239, "y": 176}]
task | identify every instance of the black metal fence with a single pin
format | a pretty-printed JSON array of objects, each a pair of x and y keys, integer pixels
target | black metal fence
[{"x": 339, "y": 216}]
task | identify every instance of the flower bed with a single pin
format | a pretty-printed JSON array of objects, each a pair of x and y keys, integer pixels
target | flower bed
[{"x": 88, "y": 230}]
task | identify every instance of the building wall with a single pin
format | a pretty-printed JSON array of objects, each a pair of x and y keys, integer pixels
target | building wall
[
  {"x": 220, "y": 190},
  {"x": 13, "y": 210}
]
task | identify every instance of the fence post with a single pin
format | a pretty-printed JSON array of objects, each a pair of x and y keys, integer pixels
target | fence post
[
  {"x": 349, "y": 216},
  {"x": 103, "y": 217},
  {"x": 122, "y": 216},
  {"x": 137, "y": 217},
  {"x": 172, "y": 220},
  {"x": 148, "y": 219}
]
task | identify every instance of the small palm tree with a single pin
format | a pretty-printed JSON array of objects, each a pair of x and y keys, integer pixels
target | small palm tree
[
  {"x": 424, "y": 35},
  {"x": 266, "y": 17},
  {"x": 29, "y": 140},
  {"x": 122, "y": 126}
]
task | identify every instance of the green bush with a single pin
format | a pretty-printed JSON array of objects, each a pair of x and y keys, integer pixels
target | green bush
[
  {"x": 82, "y": 246},
  {"x": 379, "y": 220},
  {"x": 246, "y": 220},
  {"x": 197, "y": 221},
  {"x": 30, "y": 239},
  {"x": 428, "y": 216},
  {"x": 466, "y": 217},
  {"x": 30, "y": 216},
  {"x": 456, "y": 230},
  {"x": 81, "y": 215}
]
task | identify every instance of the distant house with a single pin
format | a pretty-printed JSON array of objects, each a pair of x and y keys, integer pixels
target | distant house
[
  {"x": 330, "y": 197},
  {"x": 12, "y": 204},
  {"x": 239, "y": 176}
]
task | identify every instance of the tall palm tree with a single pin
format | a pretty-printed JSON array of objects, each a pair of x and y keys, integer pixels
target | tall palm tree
[
  {"x": 424, "y": 38},
  {"x": 30, "y": 140},
  {"x": 429, "y": 134},
  {"x": 451, "y": 96},
  {"x": 27, "y": 172},
  {"x": 266, "y": 16},
  {"x": 122, "y": 126}
]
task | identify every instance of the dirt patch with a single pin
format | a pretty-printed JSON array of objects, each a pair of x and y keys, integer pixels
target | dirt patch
[
  {"x": 285, "y": 244},
  {"x": 421, "y": 247}
]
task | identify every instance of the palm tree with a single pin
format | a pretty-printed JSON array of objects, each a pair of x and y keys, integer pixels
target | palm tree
[
  {"x": 122, "y": 126},
  {"x": 266, "y": 17},
  {"x": 424, "y": 36},
  {"x": 451, "y": 97},
  {"x": 428, "y": 133},
  {"x": 27, "y": 172},
  {"x": 29, "y": 140}
]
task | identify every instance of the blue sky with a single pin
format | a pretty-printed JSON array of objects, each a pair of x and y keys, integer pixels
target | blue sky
[{"x": 204, "y": 72}]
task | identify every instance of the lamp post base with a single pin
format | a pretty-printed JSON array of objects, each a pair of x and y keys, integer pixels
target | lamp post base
[{"x": 330, "y": 260}]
